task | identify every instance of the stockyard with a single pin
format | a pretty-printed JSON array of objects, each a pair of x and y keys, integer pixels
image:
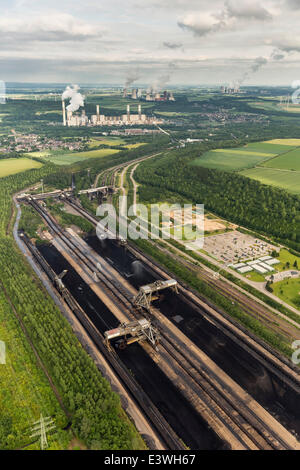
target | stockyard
[
  {"x": 236, "y": 246},
  {"x": 195, "y": 218}
]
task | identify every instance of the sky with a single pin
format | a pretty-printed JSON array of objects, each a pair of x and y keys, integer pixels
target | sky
[{"x": 165, "y": 42}]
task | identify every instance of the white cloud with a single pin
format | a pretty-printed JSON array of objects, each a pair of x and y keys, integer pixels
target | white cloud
[
  {"x": 51, "y": 27},
  {"x": 93, "y": 39}
]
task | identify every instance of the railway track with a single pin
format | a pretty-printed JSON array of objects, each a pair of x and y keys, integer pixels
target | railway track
[
  {"x": 268, "y": 356},
  {"x": 164, "y": 430},
  {"x": 243, "y": 422},
  {"x": 249, "y": 305}
]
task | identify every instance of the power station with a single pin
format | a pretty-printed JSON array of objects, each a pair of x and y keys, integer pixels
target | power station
[
  {"x": 149, "y": 95},
  {"x": 71, "y": 119}
]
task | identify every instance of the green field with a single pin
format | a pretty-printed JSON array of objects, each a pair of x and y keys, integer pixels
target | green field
[
  {"x": 290, "y": 142},
  {"x": 231, "y": 159},
  {"x": 287, "y": 161},
  {"x": 274, "y": 106},
  {"x": 11, "y": 166},
  {"x": 274, "y": 162},
  {"x": 134, "y": 146},
  {"x": 286, "y": 257},
  {"x": 268, "y": 147},
  {"x": 106, "y": 141},
  {"x": 289, "y": 291},
  {"x": 61, "y": 158},
  {"x": 288, "y": 180}
]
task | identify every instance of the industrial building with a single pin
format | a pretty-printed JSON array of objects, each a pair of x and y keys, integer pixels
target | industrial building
[
  {"x": 149, "y": 95},
  {"x": 229, "y": 90},
  {"x": 71, "y": 119}
]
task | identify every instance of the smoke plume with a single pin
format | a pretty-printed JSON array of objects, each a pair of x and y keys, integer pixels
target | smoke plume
[
  {"x": 132, "y": 76},
  {"x": 172, "y": 45},
  {"x": 255, "y": 67},
  {"x": 161, "y": 82},
  {"x": 76, "y": 98}
]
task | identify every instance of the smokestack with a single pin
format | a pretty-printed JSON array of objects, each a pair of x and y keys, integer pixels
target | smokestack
[
  {"x": 73, "y": 182},
  {"x": 64, "y": 112},
  {"x": 140, "y": 112},
  {"x": 98, "y": 110},
  {"x": 128, "y": 112}
]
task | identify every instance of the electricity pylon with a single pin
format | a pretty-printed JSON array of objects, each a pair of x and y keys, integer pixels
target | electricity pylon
[{"x": 40, "y": 429}]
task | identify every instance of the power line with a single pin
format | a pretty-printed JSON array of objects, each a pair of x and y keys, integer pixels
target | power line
[{"x": 40, "y": 429}]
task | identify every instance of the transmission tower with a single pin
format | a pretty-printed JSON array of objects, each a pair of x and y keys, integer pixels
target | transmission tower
[{"x": 40, "y": 429}]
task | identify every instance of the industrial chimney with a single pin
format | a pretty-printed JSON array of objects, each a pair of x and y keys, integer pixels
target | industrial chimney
[
  {"x": 140, "y": 112},
  {"x": 64, "y": 112},
  {"x": 128, "y": 112}
]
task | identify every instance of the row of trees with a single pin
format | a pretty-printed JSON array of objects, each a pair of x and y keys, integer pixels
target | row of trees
[{"x": 97, "y": 416}]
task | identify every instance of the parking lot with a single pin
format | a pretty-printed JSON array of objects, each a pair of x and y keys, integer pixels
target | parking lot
[{"x": 235, "y": 246}]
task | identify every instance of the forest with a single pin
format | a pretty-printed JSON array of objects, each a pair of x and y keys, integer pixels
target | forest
[{"x": 96, "y": 414}]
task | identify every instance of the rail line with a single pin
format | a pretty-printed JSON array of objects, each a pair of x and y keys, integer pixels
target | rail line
[
  {"x": 271, "y": 357},
  {"x": 274, "y": 362},
  {"x": 164, "y": 430},
  {"x": 249, "y": 305},
  {"x": 243, "y": 422}
]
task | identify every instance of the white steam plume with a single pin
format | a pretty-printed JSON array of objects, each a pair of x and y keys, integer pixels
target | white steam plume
[
  {"x": 131, "y": 77},
  {"x": 76, "y": 98}
]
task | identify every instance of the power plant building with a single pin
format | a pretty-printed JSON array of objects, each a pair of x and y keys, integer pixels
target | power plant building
[
  {"x": 71, "y": 119},
  {"x": 150, "y": 95}
]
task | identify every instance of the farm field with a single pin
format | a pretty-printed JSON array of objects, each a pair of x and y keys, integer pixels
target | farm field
[
  {"x": 287, "y": 161},
  {"x": 11, "y": 166},
  {"x": 274, "y": 106},
  {"x": 274, "y": 162},
  {"x": 111, "y": 141},
  {"x": 290, "y": 142},
  {"x": 106, "y": 141},
  {"x": 134, "y": 146},
  {"x": 231, "y": 159},
  {"x": 173, "y": 113},
  {"x": 268, "y": 147},
  {"x": 25, "y": 392},
  {"x": 288, "y": 180},
  {"x": 61, "y": 158}
]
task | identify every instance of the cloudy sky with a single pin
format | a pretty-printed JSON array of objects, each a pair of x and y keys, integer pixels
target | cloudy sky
[{"x": 172, "y": 41}]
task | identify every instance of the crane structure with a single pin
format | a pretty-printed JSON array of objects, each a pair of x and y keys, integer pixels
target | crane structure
[
  {"x": 58, "y": 281},
  {"x": 146, "y": 293},
  {"x": 133, "y": 332},
  {"x": 99, "y": 193}
]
